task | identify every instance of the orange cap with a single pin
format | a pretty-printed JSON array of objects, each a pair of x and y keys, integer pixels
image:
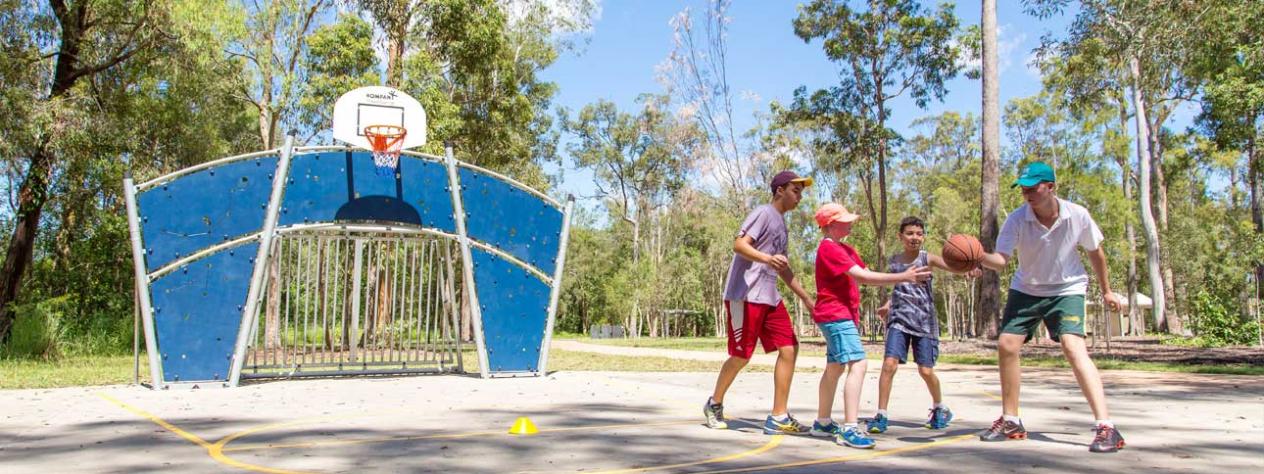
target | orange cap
[{"x": 833, "y": 212}]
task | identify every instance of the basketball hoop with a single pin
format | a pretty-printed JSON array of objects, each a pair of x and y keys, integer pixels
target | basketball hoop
[{"x": 387, "y": 141}]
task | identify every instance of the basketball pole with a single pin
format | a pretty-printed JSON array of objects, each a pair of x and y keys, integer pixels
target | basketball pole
[
  {"x": 142, "y": 280},
  {"x": 467, "y": 261},
  {"x": 556, "y": 283},
  {"x": 249, "y": 313}
]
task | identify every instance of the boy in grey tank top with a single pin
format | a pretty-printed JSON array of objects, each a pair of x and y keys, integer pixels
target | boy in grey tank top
[{"x": 911, "y": 321}]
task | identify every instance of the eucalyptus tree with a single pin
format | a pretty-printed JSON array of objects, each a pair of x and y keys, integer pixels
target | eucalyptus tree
[
  {"x": 51, "y": 51},
  {"x": 987, "y": 293},
  {"x": 892, "y": 48},
  {"x": 1149, "y": 41}
]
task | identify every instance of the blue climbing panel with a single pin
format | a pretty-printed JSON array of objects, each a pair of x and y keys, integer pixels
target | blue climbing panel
[
  {"x": 197, "y": 307},
  {"x": 515, "y": 307},
  {"x": 345, "y": 186},
  {"x": 511, "y": 219},
  {"x": 197, "y": 311},
  {"x": 204, "y": 208}
]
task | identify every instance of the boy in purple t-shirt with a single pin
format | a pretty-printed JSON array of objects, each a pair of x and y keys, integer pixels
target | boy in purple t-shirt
[{"x": 756, "y": 314}]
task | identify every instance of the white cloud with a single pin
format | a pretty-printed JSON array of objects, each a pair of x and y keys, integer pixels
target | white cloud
[
  {"x": 1006, "y": 45},
  {"x": 1032, "y": 65}
]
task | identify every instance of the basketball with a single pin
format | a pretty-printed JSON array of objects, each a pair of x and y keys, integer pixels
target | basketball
[{"x": 962, "y": 252}]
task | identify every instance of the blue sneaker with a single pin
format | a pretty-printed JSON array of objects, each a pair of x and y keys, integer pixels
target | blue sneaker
[
  {"x": 855, "y": 438},
  {"x": 789, "y": 427},
  {"x": 939, "y": 418},
  {"x": 824, "y": 431},
  {"x": 878, "y": 424}
]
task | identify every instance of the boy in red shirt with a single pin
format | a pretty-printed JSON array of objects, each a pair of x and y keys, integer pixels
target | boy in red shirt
[{"x": 839, "y": 271}]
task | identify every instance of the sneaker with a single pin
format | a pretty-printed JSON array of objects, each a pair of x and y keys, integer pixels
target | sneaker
[
  {"x": 1108, "y": 440},
  {"x": 824, "y": 431},
  {"x": 1002, "y": 430},
  {"x": 878, "y": 424},
  {"x": 715, "y": 415},
  {"x": 789, "y": 427},
  {"x": 855, "y": 438},
  {"x": 939, "y": 418}
]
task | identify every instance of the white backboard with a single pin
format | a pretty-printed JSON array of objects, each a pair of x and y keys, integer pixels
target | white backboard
[{"x": 378, "y": 105}]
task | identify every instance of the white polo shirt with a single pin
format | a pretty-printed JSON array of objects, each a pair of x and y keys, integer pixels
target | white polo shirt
[{"x": 1048, "y": 263}]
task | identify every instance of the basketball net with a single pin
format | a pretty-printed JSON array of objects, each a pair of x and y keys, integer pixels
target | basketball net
[{"x": 387, "y": 142}]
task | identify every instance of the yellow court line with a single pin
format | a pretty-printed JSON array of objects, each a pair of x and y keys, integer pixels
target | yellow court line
[
  {"x": 854, "y": 457},
  {"x": 211, "y": 449},
  {"x": 990, "y": 395},
  {"x": 772, "y": 443},
  {"x": 387, "y": 439}
]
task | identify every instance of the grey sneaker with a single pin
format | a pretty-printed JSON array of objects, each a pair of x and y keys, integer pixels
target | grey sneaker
[
  {"x": 1002, "y": 430},
  {"x": 715, "y": 415},
  {"x": 1108, "y": 440}
]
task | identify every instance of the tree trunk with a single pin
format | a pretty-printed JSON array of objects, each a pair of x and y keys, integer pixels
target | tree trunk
[
  {"x": 1255, "y": 166},
  {"x": 988, "y": 291},
  {"x": 395, "y": 59},
  {"x": 272, "y": 310},
  {"x": 1165, "y": 261},
  {"x": 1136, "y": 324},
  {"x": 881, "y": 233},
  {"x": 1234, "y": 194},
  {"x": 1149, "y": 228},
  {"x": 31, "y": 198}
]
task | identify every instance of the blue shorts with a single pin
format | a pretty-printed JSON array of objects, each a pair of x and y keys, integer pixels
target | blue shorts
[
  {"x": 925, "y": 349},
  {"x": 842, "y": 340}
]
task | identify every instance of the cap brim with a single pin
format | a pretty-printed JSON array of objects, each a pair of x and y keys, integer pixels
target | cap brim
[
  {"x": 1026, "y": 182},
  {"x": 848, "y": 218},
  {"x": 806, "y": 181}
]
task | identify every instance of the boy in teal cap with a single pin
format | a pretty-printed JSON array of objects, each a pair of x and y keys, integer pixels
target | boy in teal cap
[{"x": 1049, "y": 287}]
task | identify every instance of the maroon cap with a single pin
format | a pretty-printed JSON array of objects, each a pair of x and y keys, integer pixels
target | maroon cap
[{"x": 786, "y": 177}]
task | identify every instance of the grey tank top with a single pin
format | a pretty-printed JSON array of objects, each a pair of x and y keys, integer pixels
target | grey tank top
[{"x": 913, "y": 304}]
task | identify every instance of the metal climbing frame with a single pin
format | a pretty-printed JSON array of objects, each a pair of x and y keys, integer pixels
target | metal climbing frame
[{"x": 340, "y": 302}]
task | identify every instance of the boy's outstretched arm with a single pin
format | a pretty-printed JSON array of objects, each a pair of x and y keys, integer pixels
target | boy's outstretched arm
[
  {"x": 938, "y": 262},
  {"x": 995, "y": 261},
  {"x": 869, "y": 277}
]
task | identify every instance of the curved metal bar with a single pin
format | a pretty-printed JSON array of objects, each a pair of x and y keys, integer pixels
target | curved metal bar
[
  {"x": 415, "y": 230},
  {"x": 345, "y": 227},
  {"x": 168, "y": 268},
  {"x": 334, "y": 226},
  {"x": 514, "y": 182},
  {"x": 341, "y": 148},
  {"x": 199, "y": 167},
  {"x": 514, "y": 260}
]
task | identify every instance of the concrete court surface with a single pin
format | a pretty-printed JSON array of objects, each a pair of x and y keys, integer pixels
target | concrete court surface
[{"x": 618, "y": 421}]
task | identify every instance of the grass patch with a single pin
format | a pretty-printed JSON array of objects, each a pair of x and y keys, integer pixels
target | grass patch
[
  {"x": 1112, "y": 364},
  {"x": 16, "y": 373},
  {"x": 696, "y": 344}
]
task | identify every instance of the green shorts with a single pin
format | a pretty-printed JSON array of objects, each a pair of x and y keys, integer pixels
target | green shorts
[{"x": 1061, "y": 314}]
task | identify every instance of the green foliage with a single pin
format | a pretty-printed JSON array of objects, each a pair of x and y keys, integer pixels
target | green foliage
[
  {"x": 1220, "y": 324},
  {"x": 340, "y": 58},
  {"x": 37, "y": 331}
]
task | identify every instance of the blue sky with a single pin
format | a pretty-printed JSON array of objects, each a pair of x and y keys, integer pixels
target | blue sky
[{"x": 768, "y": 61}]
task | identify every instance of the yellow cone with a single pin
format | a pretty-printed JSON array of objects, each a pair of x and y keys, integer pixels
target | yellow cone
[{"x": 523, "y": 426}]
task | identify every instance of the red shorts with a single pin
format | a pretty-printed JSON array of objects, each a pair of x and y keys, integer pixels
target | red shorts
[{"x": 750, "y": 322}]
